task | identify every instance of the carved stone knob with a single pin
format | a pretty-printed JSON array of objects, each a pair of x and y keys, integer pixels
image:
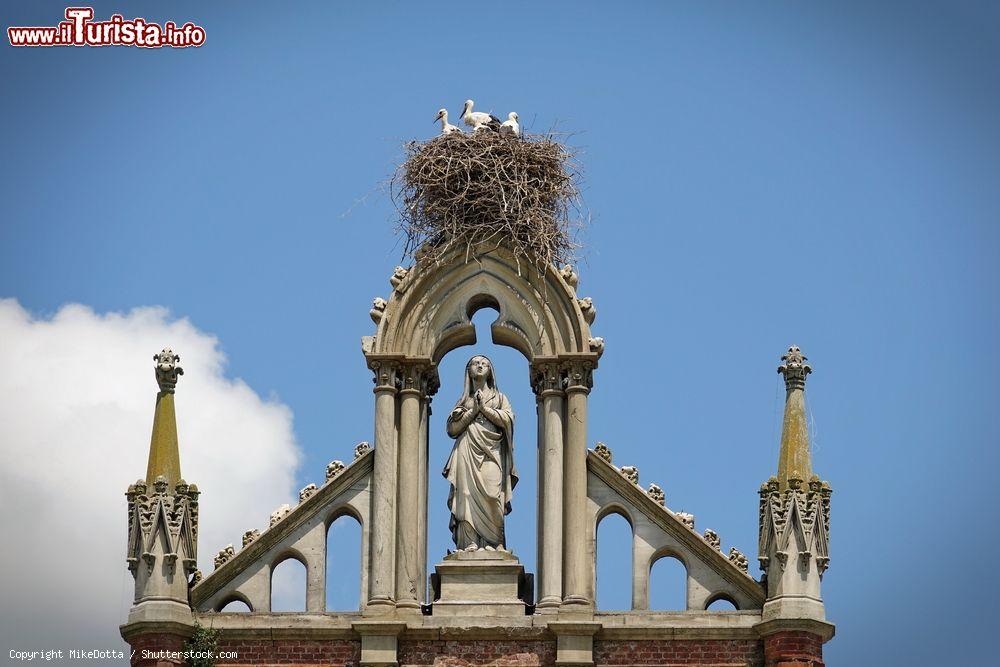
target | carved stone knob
[
  {"x": 378, "y": 309},
  {"x": 334, "y": 468},
  {"x": 737, "y": 558},
  {"x": 712, "y": 538},
  {"x": 596, "y": 344},
  {"x": 656, "y": 494},
  {"x": 569, "y": 275},
  {"x": 307, "y": 492},
  {"x": 224, "y": 556},
  {"x": 603, "y": 451},
  {"x": 631, "y": 473},
  {"x": 398, "y": 276},
  {"x": 279, "y": 514}
]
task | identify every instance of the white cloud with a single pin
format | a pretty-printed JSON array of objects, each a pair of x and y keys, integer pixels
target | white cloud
[{"x": 76, "y": 406}]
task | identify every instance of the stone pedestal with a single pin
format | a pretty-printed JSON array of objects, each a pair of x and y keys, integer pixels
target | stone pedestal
[{"x": 479, "y": 583}]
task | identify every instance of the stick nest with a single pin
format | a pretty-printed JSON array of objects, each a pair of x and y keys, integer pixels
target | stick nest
[{"x": 483, "y": 190}]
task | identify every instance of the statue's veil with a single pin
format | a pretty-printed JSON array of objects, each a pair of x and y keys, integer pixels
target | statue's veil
[{"x": 491, "y": 380}]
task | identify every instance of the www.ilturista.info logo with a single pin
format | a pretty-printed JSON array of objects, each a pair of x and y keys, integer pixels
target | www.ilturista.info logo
[{"x": 79, "y": 29}]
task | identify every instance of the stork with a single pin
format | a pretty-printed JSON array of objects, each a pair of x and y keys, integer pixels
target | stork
[
  {"x": 478, "y": 119},
  {"x": 446, "y": 127},
  {"x": 511, "y": 126}
]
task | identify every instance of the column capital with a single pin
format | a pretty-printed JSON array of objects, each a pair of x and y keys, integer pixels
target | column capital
[
  {"x": 414, "y": 377},
  {"x": 579, "y": 375},
  {"x": 547, "y": 378},
  {"x": 387, "y": 375}
]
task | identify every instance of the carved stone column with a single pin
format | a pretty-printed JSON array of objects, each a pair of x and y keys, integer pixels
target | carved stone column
[
  {"x": 548, "y": 384},
  {"x": 408, "y": 510},
  {"x": 579, "y": 376},
  {"x": 431, "y": 387},
  {"x": 383, "y": 529}
]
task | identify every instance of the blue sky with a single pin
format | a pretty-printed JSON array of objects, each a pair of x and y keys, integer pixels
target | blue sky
[{"x": 758, "y": 176}]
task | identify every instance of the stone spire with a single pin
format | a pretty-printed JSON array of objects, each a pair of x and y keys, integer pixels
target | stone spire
[
  {"x": 164, "y": 455},
  {"x": 162, "y": 520},
  {"x": 794, "y": 461},
  {"x": 794, "y": 548}
]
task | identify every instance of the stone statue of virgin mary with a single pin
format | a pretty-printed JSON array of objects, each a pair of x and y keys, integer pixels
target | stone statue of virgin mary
[{"x": 480, "y": 468}]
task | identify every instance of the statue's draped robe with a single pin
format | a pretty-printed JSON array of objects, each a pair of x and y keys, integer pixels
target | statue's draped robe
[{"x": 481, "y": 472}]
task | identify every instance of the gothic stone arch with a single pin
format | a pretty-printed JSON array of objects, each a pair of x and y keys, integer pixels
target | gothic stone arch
[{"x": 430, "y": 313}]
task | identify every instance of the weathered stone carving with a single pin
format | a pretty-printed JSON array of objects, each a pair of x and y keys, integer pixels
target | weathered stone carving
[
  {"x": 378, "y": 309},
  {"x": 307, "y": 491},
  {"x": 603, "y": 451},
  {"x": 480, "y": 468},
  {"x": 250, "y": 536},
  {"x": 797, "y": 515},
  {"x": 631, "y": 473},
  {"x": 195, "y": 578},
  {"x": 656, "y": 493},
  {"x": 398, "y": 277},
  {"x": 360, "y": 450},
  {"x": 794, "y": 369},
  {"x": 224, "y": 556},
  {"x": 712, "y": 538},
  {"x": 597, "y": 345},
  {"x": 686, "y": 519},
  {"x": 159, "y": 511},
  {"x": 737, "y": 558},
  {"x": 570, "y": 276},
  {"x": 578, "y": 374},
  {"x": 547, "y": 377},
  {"x": 167, "y": 370},
  {"x": 279, "y": 514},
  {"x": 334, "y": 468},
  {"x": 588, "y": 309}
]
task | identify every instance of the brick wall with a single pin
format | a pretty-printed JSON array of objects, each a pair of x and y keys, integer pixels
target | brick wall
[
  {"x": 496, "y": 653},
  {"x": 150, "y": 645},
  {"x": 717, "y": 652},
  {"x": 343, "y": 652},
  {"x": 793, "y": 649},
  {"x": 783, "y": 649}
]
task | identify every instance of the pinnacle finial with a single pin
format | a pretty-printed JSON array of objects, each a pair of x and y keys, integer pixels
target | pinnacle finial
[
  {"x": 167, "y": 370},
  {"x": 794, "y": 369},
  {"x": 794, "y": 460}
]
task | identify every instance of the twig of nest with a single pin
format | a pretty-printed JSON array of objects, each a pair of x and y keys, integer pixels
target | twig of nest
[{"x": 484, "y": 190}]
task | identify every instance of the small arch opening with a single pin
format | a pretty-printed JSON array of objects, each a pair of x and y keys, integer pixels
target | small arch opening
[
  {"x": 721, "y": 602},
  {"x": 235, "y": 605},
  {"x": 614, "y": 562},
  {"x": 343, "y": 564},
  {"x": 288, "y": 585},
  {"x": 668, "y": 584},
  {"x": 481, "y": 301}
]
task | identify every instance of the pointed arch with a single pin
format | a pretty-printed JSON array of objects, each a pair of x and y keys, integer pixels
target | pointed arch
[{"x": 430, "y": 311}]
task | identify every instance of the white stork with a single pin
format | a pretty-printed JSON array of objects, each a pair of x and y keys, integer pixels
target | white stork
[
  {"x": 446, "y": 127},
  {"x": 478, "y": 119},
  {"x": 511, "y": 126}
]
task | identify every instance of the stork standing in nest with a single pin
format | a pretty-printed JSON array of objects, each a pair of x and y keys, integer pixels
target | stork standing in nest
[
  {"x": 511, "y": 126},
  {"x": 478, "y": 119},
  {"x": 446, "y": 127}
]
